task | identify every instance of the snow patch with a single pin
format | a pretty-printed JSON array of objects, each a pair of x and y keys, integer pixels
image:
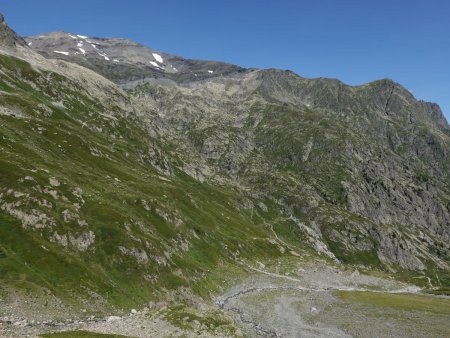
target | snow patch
[
  {"x": 115, "y": 60},
  {"x": 210, "y": 71},
  {"x": 80, "y": 44},
  {"x": 82, "y": 36},
  {"x": 72, "y": 36},
  {"x": 154, "y": 64},
  {"x": 58, "y": 52},
  {"x": 158, "y": 57},
  {"x": 29, "y": 43},
  {"x": 94, "y": 46},
  {"x": 82, "y": 51},
  {"x": 104, "y": 55}
]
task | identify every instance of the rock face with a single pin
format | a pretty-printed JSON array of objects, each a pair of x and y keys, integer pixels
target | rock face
[
  {"x": 9, "y": 38},
  {"x": 363, "y": 169},
  {"x": 181, "y": 166}
]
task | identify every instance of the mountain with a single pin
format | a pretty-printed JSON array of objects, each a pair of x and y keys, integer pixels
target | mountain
[
  {"x": 362, "y": 171},
  {"x": 125, "y": 61},
  {"x": 129, "y": 175}
]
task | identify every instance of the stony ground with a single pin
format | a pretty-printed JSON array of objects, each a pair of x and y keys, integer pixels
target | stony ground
[
  {"x": 323, "y": 301},
  {"x": 297, "y": 299},
  {"x": 135, "y": 325}
]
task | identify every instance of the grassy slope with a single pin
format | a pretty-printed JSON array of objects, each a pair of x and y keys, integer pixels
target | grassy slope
[
  {"x": 405, "y": 302},
  {"x": 126, "y": 202}
]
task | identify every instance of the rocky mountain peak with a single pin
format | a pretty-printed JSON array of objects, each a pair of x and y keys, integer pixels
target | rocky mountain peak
[
  {"x": 124, "y": 61},
  {"x": 9, "y": 38}
]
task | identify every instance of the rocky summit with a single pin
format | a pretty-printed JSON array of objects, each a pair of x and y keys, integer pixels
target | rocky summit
[
  {"x": 149, "y": 195},
  {"x": 126, "y": 62}
]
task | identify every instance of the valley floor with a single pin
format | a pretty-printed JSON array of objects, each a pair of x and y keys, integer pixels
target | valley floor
[
  {"x": 297, "y": 299},
  {"x": 326, "y": 302}
]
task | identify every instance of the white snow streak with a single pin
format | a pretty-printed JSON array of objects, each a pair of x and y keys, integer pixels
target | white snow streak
[
  {"x": 158, "y": 57},
  {"x": 82, "y": 36},
  {"x": 210, "y": 71},
  {"x": 64, "y": 53},
  {"x": 104, "y": 55},
  {"x": 82, "y": 51}
]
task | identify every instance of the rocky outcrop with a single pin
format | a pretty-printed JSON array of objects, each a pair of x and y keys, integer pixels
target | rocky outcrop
[{"x": 9, "y": 38}]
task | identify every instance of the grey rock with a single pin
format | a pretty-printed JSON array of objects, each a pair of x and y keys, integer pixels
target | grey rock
[{"x": 9, "y": 38}]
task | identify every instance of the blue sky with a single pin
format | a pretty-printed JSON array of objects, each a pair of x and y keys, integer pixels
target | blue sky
[{"x": 356, "y": 41}]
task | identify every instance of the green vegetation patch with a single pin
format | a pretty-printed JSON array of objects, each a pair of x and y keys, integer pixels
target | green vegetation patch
[
  {"x": 189, "y": 318},
  {"x": 406, "y": 302}
]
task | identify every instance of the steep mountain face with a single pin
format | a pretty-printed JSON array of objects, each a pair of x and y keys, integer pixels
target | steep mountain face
[
  {"x": 362, "y": 171},
  {"x": 177, "y": 173},
  {"x": 125, "y": 61}
]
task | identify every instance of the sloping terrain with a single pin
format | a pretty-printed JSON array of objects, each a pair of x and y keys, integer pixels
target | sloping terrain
[
  {"x": 362, "y": 171},
  {"x": 92, "y": 194},
  {"x": 169, "y": 183}
]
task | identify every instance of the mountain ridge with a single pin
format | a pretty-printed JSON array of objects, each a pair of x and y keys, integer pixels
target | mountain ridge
[
  {"x": 123, "y": 65},
  {"x": 152, "y": 72}
]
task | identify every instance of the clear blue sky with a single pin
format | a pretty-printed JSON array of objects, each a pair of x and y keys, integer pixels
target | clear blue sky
[{"x": 356, "y": 41}]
